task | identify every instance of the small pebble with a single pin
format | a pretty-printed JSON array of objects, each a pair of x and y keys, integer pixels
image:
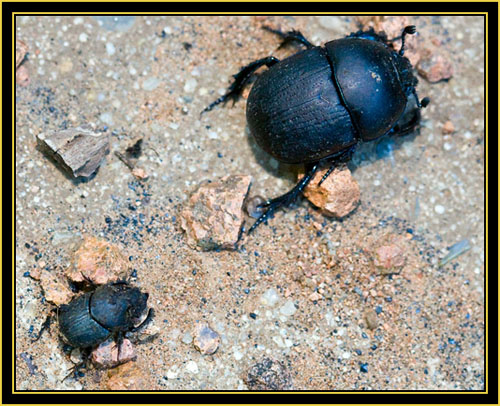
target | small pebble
[
  {"x": 269, "y": 298},
  {"x": 187, "y": 338},
  {"x": 439, "y": 209},
  {"x": 192, "y": 367},
  {"x": 206, "y": 340},
  {"x": 288, "y": 309}
]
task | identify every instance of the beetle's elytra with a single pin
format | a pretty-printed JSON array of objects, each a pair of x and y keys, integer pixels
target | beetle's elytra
[
  {"x": 111, "y": 309},
  {"x": 318, "y": 104}
]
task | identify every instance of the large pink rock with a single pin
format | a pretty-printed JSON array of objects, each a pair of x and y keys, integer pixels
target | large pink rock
[
  {"x": 106, "y": 354},
  {"x": 97, "y": 261},
  {"x": 337, "y": 196},
  {"x": 55, "y": 291},
  {"x": 214, "y": 214}
]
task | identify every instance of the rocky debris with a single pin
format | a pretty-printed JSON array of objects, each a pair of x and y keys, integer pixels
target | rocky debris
[
  {"x": 29, "y": 362},
  {"x": 106, "y": 354},
  {"x": 448, "y": 127},
  {"x": 21, "y": 51},
  {"x": 206, "y": 340},
  {"x": 435, "y": 65},
  {"x": 128, "y": 376},
  {"x": 55, "y": 291},
  {"x": 389, "y": 257},
  {"x": 22, "y": 75},
  {"x": 79, "y": 151},
  {"x": 337, "y": 196},
  {"x": 371, "y": 319},
  {"x": 130, "y": 157},
  {"x": 214, "y": 215},
  {"x": 140, "y": 173},
  {"x": 268, "y": 374},
  {"x": 97, "y": 261},
  {"x": 431, "y": 60}
]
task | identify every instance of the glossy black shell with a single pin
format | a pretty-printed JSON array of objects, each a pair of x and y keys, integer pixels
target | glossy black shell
[
  {"x": 91, "y": 318},
  {"x": 321, "y": 101}
]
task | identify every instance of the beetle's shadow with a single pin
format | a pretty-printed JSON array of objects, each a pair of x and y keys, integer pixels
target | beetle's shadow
[
  {"x": 268, "y": 163},
  {"x": 367, "y": 153}
]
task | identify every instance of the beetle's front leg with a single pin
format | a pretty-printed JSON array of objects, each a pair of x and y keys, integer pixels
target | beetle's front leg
[
  {"x": 284, "y": 200},
  {"x": 240, "y": 80}
]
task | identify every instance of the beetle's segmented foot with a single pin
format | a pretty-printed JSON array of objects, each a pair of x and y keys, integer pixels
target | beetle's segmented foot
[
  {"x": 410, "y": 29},
  {"x": 231, "y": 95}
]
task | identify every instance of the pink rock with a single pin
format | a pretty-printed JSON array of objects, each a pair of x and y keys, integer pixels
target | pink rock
[
  {"x": 206, "y": 340},
  {"x": 21, "y": 50},
  {"x": 127, "y": 377},
  {"x": 140, "y": 173},
  {"x": 106, "y": 355},
  {"x": 55, "y": 291},
  {"x": 22, "y": 76},
  {"x": 214, "y": 214},
  {"x": 337, "y": 196},
  {"x": 389, "y": 257},
  {"x": 448, "y": 127},
  {"x": 98, "y": 261},
  {"x": 435, "y": 66}
]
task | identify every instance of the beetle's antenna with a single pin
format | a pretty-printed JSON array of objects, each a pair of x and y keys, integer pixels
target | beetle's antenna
[{"x": 410, "y": 29}]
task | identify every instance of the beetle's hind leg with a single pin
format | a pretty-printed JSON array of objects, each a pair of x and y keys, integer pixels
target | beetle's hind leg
[
  {"x": 240, "y": 80},
  {"x": 289, "y": 37},
  {"x": 284, "y": 200}
]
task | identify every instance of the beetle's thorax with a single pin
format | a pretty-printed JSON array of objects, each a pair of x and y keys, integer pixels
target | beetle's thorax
[{"x": 371, "y": 81}]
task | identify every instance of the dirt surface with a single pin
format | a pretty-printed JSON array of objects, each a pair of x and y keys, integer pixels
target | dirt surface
[{"x": 300, "y": 289}]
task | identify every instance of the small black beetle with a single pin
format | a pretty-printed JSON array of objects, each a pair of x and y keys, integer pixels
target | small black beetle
[
  {"x": 111, "y": 309},
  {"x": 318, "y": 104}
]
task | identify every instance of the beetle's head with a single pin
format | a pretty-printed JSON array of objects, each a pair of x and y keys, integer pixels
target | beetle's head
[
  {"x": 405, "y": 70},
  {"x": 137, "y": 303}
]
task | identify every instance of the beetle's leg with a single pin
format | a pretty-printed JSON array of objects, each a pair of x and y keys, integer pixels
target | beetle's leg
[
  {"x": 272, "y": 205},
  {"x": 240, "y": 80},
  {"x": 409, "y": 29},
  {"x": 45, "y": 325},
  {"x": 290, "y": 36},
  {"x": 344, "y": 156}
]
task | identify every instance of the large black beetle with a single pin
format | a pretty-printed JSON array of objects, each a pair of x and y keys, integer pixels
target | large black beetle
[{"x": 318, "y": 104}]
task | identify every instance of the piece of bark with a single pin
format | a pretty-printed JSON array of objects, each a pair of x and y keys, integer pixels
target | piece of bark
[{"x": 79, "y": 151}]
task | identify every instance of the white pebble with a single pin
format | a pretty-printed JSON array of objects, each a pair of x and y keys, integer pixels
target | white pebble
[
  {"x": 150, "y": 84},
  {"x": 110, "y": 48},
  {"x": 106, "y": 118},
  {"x": 237, "y": 354},
  {"x": 439, "y": 209},
  {"x": 288, "y": 309},
  {"x": 269, "y": 298},
  {"x": 83, "y": 37},
  {"x": 78, "y": 20},
  {"x": 190, "y": 85},
  {"x": 192, "y": 367},
  {"x": 172, "y": 372},
  {"x": 187, "y": 338}
]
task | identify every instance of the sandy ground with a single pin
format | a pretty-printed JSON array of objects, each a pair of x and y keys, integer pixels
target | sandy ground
[{"x": 151, "y": 77}]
